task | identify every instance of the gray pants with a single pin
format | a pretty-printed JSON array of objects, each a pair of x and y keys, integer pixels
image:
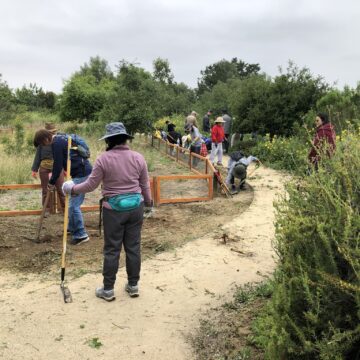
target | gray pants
[{"x": 122, "y": 228}]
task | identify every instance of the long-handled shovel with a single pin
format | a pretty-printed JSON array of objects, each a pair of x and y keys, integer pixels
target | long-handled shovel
[
  {"x": 46, "y": 202},
  {"x": 65, "y": 290}
]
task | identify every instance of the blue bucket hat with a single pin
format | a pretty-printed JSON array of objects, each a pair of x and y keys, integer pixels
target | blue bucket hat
[{"x": 115, "y": 128}]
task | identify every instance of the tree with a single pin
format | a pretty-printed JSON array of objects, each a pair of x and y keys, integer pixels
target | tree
[
  {"x": 249, "y": 103},
  {"x": 134, "y": 100},
  {"x": 174, "y": 98},
  {"x": 292, "y": 95},
  {"x": 7, "y": 103},
  {"x": 224, "y": 70},
  {"x": 83, "y": 98},
  {"x": 276, "y": 105},
  {"x": 86, "y": 92},
  {"x": 162, "y": 71},
  {"x": 98, "y": 68},
  {"x": 341, "y": 106},
  {"x": 34, "y": 98}
]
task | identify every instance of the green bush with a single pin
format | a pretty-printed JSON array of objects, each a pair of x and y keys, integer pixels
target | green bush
[{"x": 314, "y": 312}]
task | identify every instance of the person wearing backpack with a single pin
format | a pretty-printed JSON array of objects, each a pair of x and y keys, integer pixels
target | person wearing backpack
[
  {"x": 80, "y": 170},
  {"x": 42, "y": 167},
  {"x": 126, "y": 197}
]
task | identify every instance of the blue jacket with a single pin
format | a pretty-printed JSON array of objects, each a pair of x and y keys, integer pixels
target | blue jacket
[{"x": 80, "y": 167}]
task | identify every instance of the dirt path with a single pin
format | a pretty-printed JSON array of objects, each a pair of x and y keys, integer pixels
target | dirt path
[{"x": 175, "y": 286}]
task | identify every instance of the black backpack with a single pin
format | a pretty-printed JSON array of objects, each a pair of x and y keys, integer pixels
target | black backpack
[{"x": 237, "y": 155}]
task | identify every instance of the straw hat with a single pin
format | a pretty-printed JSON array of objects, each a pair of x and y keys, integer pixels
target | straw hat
[
  {"x": 50, "y": 127},
  {"x": 219, "y": 120}
]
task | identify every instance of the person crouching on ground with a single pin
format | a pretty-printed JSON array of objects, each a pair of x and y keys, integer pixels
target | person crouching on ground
[
  {"x": 217, "y": 138},
  {"x": 126, "y": 189},
  {"x": 80, "y": 170},
  {"x": 237, "y": 168}
]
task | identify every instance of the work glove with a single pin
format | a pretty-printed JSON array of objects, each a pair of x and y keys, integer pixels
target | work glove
[
  {"x": 51, "y": 187},
  {"x": 34, "y": 174},
  {"x": 148, "y": 210},
  {"x": 67, "y": 187}
]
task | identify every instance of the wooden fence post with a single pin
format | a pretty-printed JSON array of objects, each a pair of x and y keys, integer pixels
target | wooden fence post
[{"x": 211, "y": 188}]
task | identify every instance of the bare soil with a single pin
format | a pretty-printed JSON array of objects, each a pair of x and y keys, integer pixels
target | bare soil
[
  {"x": 231, "y": 245},
  {"x": 168, "y": 228}
]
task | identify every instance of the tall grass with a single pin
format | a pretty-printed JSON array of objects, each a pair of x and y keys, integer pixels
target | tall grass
[{"x": 15, "y": 169}]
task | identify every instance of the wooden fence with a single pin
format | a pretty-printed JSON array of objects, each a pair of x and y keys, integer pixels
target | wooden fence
[
  {"x": 196, "y": 163},
  {"x": 156, "y": 192}
]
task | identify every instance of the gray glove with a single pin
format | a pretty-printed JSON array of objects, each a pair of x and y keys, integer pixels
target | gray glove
[{"x": 148, "y": 210}]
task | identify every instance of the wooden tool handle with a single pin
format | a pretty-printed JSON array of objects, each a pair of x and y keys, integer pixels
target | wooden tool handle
[{"x": 66, "y": 209}]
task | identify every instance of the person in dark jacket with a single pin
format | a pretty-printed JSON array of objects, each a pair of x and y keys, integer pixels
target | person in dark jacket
[
  {"x": 80, "y": 170},
  {"x": 42, "y": 166},
  {"x": 324, "y": 140},
  {"x": 173, "y": 137},
  {"x": 227, "y": 129},
  {"x": 206, "y": 121}
]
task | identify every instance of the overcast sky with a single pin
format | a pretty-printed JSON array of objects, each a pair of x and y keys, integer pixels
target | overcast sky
[{"x": 46, "y": 41}]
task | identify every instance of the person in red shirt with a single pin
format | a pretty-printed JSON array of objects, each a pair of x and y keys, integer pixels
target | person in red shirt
[
  {"x": 324, "y": 140},
  {"x": 217, "y": 138}
]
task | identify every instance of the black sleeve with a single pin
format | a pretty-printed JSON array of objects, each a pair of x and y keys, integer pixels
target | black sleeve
[{"x": 37, "y": 160}]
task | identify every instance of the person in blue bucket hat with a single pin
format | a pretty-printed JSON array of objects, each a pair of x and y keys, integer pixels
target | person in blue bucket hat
[{"x": 126, "y": 194}]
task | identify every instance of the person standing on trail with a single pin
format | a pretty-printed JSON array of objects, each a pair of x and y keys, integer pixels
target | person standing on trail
[
  {"x": 191, "y": 119},
  {"x": 126, "y": 190},
  {"x": 206, "y": 121},
  {"x": 217, "y": 138},
  {"x": 195, "y": 142},
  {"x": 227, "y": 129},
  {"x": 80, "y": 170},
  {"x": 324, "y": 140},
  {"x": 237, "y": 168},
  {"x": 42, "y": 166}
]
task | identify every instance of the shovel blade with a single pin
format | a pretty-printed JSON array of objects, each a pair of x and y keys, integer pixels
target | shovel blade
[{"x": 66, "y": 293}]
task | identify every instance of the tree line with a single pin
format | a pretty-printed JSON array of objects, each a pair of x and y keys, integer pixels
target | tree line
[{"x": 257, "y": 102}]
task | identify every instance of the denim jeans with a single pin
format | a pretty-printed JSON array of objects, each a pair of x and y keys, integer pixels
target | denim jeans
[{"x": 76, "y": 221}]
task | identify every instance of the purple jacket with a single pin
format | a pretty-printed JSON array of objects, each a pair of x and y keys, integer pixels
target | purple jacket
[{"x": 121, "y": 171}]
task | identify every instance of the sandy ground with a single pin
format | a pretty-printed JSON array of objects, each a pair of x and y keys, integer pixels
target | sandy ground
[{"x": 175, "y": 288}]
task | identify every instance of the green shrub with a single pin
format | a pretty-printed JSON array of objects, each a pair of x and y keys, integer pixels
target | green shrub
[{"x": 314, "y": 312}]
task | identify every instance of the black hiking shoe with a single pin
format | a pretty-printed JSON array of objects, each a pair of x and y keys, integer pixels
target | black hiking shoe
[{"x": 80, "y": 241}]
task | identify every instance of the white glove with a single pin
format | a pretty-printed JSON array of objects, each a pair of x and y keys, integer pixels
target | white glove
[{"x": 67, "y": 187}]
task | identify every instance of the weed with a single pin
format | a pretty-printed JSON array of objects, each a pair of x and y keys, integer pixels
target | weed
[{"x": 94, "y": 343}]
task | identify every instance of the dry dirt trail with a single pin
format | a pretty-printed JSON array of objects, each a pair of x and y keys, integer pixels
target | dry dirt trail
[{"x": 175, "y": 287}]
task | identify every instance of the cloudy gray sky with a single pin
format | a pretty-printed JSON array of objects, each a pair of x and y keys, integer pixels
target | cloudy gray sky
[{"x": 46, "y": 41}]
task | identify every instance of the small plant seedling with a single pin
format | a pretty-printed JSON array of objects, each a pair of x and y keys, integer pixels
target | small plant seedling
[
  {"x": 95, "y": 343},
  {"x": 82, "y": 326}
]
